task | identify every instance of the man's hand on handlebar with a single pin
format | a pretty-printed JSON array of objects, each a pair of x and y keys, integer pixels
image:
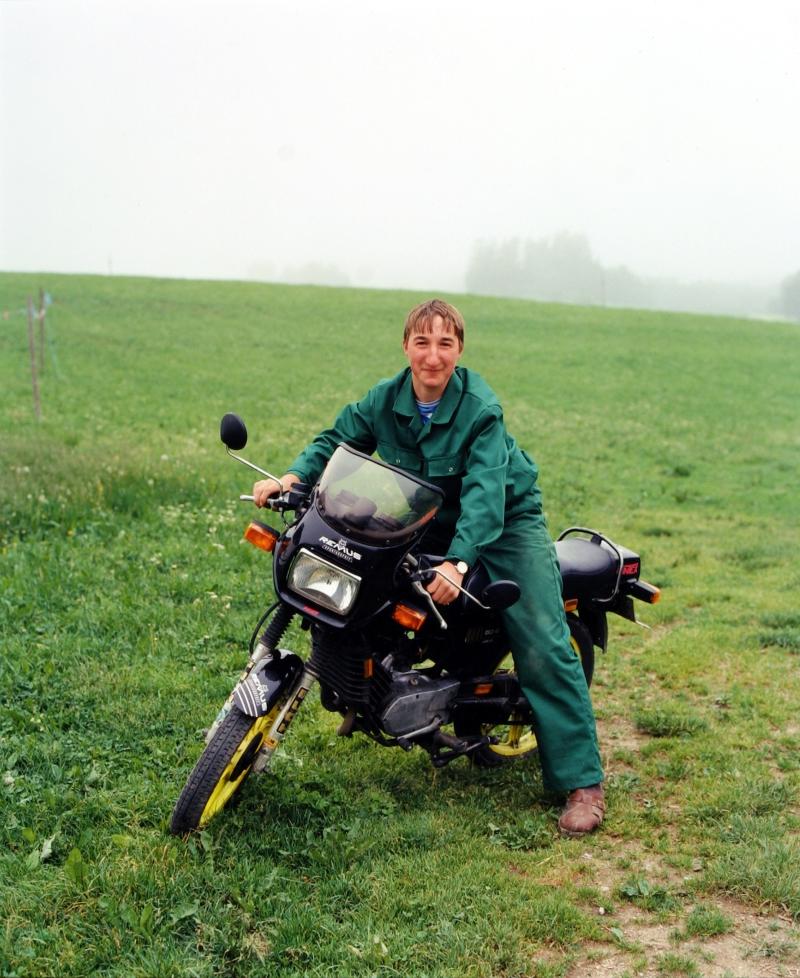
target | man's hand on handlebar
[
  {"x": 442, "y": 591},
  {"x": 265, "y": 489}
]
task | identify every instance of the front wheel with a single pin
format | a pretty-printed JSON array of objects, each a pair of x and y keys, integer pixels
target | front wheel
[
  {"x": 514, "y": 740},
  {"x": 221, "y": 769}
]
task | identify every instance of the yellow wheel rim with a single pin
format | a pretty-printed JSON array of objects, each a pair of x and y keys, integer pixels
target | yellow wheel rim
[
  {"x": 236, "y": 771},
  {"x": 513, "y": 738},
  {"x": 516, "y": 739}
]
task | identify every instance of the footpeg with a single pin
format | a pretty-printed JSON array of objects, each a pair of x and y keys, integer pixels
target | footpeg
[{"x": 446, "y": 748}]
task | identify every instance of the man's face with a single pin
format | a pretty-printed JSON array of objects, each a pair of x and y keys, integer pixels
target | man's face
[{"x": 432, "y": 357}]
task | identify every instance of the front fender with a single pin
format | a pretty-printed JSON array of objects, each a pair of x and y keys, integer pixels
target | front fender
[{"x": 265, "y": 684}]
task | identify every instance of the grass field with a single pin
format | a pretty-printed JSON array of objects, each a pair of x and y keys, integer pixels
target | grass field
[{"x": 127, "y": 599}]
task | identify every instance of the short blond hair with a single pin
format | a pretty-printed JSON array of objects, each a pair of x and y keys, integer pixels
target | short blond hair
[{"x": 421, "y": 317}]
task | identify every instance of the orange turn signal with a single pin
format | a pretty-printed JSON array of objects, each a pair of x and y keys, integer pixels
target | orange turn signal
[
  {"x": 645, "y": 592},
  {"x": 571, "y": 604},
  {"x": 409, "y": 617},
  {"x": 261, "y": 536},
  {"x": 483, "y": 689}
]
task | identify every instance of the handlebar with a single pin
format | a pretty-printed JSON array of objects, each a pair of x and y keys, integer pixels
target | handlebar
[
  {"x": 291, "y": 499},
  {"x": 276, "y": 503}
]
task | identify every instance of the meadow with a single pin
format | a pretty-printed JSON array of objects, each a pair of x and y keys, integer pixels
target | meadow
[{"x": 127, "y": 599}]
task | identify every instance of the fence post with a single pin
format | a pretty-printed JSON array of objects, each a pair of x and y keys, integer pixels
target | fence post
[
  {"x": 36, "y": 404},
  {"x": 41, "y": 330}
]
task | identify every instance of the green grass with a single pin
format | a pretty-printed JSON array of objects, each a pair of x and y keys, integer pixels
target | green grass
[
  {"x": 127, "y": 599},
  {"x": 704, "y": 921}
]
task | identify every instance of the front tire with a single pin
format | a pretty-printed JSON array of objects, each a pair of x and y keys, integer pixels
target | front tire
[
  {"x": 515, "y": 739},
  {"x": 221, "y": 769}
]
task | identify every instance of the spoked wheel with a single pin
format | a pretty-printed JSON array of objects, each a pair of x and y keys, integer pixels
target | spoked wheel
[
  {"x": 515, "y": 740},
  {"x": 221, "y": 769}
]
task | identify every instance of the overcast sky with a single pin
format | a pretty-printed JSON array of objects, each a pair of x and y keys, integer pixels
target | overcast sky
[{"x": 230, "y": 139}]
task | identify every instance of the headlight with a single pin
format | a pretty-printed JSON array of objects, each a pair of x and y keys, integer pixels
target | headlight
[{"x": 323, "y": 583}]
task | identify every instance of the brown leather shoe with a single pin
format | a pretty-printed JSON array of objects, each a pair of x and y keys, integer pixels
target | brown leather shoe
[{"x": 583, "y": 812}]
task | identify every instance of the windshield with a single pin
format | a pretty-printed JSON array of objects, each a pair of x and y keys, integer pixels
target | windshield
[{"x": 374, "y": 501}]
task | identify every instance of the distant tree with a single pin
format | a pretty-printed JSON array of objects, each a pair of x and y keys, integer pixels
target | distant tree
[
  {"x": 494, "y": 268},
  {"x": 624, "y": 288},
  {"x": 562, "y": 268},
  {"x": 557, "y": 269},
  {"x": 790, "y": 296}
]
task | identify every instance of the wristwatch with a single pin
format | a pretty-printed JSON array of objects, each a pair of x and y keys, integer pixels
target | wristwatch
[{"x": 462, "y": 567}]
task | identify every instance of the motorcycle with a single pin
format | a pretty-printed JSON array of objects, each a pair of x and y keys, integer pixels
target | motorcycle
[{"x": 395, "y": 666}]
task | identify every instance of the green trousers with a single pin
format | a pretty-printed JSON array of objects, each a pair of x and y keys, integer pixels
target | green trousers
[{"x": 549, "y": 670}]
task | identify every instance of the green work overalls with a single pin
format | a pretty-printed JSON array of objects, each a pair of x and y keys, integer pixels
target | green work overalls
[{"x": 492, "y": 511}]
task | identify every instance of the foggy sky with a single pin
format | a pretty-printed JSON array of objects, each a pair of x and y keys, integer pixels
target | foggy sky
[{"x": 227, "y": 140}]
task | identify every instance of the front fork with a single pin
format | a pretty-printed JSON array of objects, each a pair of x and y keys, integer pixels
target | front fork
[
  {"x": 267, "y": 643},
  {"x": 292, "y": 702},
  {"x": 258, "y": 654},
  {"x": 287, "y": 713}
]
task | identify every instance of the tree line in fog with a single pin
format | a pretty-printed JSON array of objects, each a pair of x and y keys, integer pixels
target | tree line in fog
[{"x": 562, "y": 268}]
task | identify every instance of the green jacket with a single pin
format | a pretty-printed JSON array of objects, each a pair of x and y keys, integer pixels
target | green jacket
[{"x": 465, "y": 450}]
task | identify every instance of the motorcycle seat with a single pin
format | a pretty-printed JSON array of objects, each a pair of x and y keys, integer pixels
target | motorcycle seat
[{"x": 587, "y": 569}]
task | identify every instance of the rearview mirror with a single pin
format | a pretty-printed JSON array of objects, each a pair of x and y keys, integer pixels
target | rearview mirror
[
  {"x": 233, "y": 432},
  {"x": 500, "y": 595}
]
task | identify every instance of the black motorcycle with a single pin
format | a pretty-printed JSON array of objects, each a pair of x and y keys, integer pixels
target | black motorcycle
[{"x": 395, "y": 666}]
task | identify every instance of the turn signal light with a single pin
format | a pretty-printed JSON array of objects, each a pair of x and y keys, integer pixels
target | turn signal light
[
  {"x": 571, "y": 604},
  {"x": 645, "y": 592},
  {"x": 483, "y": 689},
  {"x": 408, "y": 617},
  {"x": 261, "y": 536}
]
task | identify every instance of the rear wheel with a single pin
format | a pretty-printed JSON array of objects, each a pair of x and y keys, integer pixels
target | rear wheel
[
  {"x": 221, "y": 769},
  {"x": 515, "y": 740}
]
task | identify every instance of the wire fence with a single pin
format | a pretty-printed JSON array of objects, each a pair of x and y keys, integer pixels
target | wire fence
[{"x": 42, "y": 346}]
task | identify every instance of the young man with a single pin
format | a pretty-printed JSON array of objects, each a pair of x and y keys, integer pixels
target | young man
[{"x": 444, "y": 423}]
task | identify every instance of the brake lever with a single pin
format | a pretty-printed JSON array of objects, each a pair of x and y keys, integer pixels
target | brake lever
[
  {"x": 427, "y": 574},
  {"x": 424, "y": 594}
]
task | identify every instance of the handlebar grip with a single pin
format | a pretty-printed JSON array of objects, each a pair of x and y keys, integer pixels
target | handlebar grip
[
  {"x": 423, "y": 576},
  {"x": 289, "y": 499},
  {"x": 248, "y": 498}
]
